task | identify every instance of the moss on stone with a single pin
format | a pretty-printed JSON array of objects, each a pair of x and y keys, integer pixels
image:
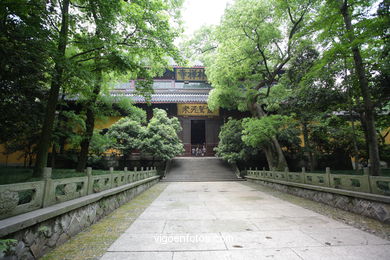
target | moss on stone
[{"x": 93, "y": 242}]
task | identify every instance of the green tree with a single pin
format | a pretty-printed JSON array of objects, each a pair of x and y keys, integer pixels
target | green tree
[
  {"x": 351, "y": 33},
  {"x": 256, "y": 39},
  {"x": 100, "y": 143},
  {"x": 128, "y": 36},
  {"x": 311, "y": 98},
  {"x": 141, "y": 47},
  {"x": 231, "y": 147},
  {"x": 201, "y": 46},
  {"x": 261, "y": 132},
  {"x": 127, "y": 133},
  {"x": 332, "y": 136},
  {"x": 61, "y": 39},
  {"x": 160, "y": 139},
  {"x": 24, "y": 62},
  {"x": 344, "y": 8}
]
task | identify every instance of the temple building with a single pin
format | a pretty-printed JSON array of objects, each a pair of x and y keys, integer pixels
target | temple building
[{"x": 183, "y": 92}]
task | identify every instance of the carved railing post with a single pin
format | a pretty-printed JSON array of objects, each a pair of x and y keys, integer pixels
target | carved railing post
[
  {"x": 112, "y": 176},
  {"x": 366, "y": 173},
  {"x": 90, "y": 181},
  {"x": 126, "y": 175},
  {"x": 327, "y": 175},
  {"x": 134, "y": 174},
  {"x": 48, "y": 194}
]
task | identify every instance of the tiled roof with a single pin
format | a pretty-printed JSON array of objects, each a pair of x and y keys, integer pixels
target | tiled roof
[
  {"x": 167, "y": 98},
  {"x": 165, "y": 84}
]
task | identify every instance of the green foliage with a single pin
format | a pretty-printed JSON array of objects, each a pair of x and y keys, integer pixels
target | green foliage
[
  {"x": 333, "y": 135},
  {"x": 251, "y": 49},
  {"x": 7, "y": 246},
  {"x": 230, "y": 146},
  {"x": 160, "y": 139},
  {"x": 202, "y": 45},
  {"x": 127, "y": 135},
  {"x": 131, "y": 39},
  {"x": 77, "y": 53},
  {"x": 69, "y": 126},
  {"x": 259, "y": 132},
  {"x": 289, "y": 138},
  {"x": 24, "y": 62},
  {"x": 137, "y": 114},
  {"x": 100, "y": 143}
]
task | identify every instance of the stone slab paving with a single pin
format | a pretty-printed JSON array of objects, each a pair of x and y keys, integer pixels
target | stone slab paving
[{"x": 230, "y": 220}]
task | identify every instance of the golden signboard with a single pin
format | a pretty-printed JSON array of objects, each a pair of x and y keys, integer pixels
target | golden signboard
[
  {"x": 195, "y": 110},
  {"x": 190, "y": 74}
]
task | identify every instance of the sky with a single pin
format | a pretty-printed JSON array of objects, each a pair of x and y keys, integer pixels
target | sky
[{"x": 202, "y": 12}]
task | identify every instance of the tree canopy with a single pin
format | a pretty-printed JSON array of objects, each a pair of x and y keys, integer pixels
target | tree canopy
[
  {"x": 160, "y": 139},
  {"x": 307, "y": 60},
  {"x": 76, "y": 49}
]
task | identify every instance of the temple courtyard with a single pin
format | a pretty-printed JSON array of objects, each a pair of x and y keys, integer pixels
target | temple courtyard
[{"x": 236, "y": 220}]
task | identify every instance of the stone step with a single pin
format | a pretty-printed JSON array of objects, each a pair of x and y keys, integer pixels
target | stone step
[{"x": 195, "y": 169}]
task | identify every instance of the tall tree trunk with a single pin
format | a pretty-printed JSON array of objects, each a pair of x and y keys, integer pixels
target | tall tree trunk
[
  {"x": 363, "y": 124},
  {"x": 350, "y": 108},
  {"x": 90, "y": 120},
  {"x": 25, "y": 160},
  {"x": 270, "y": 157},
  {"x": 281, "y": 159},
  {"x": 274, "y": 148},
  {"x": 89, "y": 124},
  {"x": 354, "y": 140},
  {"x": 307, "y": 147},
  {"x": 373, "y": 149},
  {"x": 30, "y": 159},
  {"x": 53, "y": 156},
  {"x": 84, "y": 146},
  {"x": 47, "y": 128}
]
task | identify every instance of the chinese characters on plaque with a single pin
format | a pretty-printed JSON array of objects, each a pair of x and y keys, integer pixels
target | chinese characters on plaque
[
  {"x": 195, "y": 110},
  {"x": 190, "y": 74}
]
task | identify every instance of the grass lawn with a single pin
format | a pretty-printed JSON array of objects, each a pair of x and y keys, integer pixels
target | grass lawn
[{"x": 19, "y": 174}]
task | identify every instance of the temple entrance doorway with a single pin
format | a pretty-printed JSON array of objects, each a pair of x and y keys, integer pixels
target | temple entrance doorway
[{"x": 198, "y": 136}]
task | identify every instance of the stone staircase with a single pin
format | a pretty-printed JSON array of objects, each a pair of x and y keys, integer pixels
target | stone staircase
[{"x": 200, "y": 169}]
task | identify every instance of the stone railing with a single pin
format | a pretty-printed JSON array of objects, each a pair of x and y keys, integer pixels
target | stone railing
[
  {"x": 20, "y": 198},
  {"x": 359, "y": 183}
]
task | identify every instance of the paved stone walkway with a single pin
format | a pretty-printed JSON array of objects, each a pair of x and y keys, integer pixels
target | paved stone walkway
[{"x": 230, "y": 220}]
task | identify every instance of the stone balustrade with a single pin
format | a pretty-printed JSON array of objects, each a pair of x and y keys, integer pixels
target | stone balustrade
[
  {"x": 20, "y": 198},
  {"x": 359, "y": 183}
]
